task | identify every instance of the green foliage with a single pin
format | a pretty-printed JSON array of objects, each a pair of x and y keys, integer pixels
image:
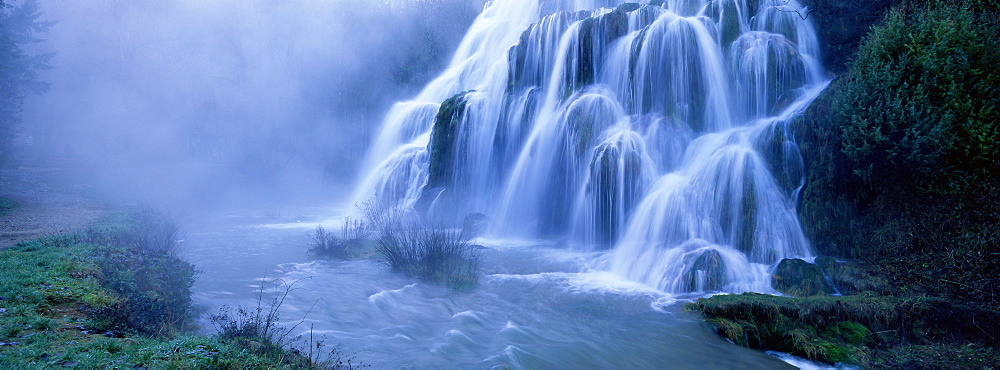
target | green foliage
[
  {"x": 257, "y": 330},
  {"x": 902, "y": 155},
  {"x": 433, "y": 255},
  {"x": 919, "y": 106}
]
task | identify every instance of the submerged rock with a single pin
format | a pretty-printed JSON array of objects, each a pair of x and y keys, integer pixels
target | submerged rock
[
  {"x": 799, "y": 278},
  {"x": 474, "y": 225}
]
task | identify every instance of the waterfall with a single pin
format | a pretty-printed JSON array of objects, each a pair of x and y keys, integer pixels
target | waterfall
[{"x": 659, "y": 132}]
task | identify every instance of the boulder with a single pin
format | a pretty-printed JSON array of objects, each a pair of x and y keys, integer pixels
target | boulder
[
  {"x": 707, "y": 273},
  {"x": 799, "y": 278}
]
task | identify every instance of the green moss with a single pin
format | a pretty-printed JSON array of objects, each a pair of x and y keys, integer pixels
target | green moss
[{"x": 799, "y": 278}]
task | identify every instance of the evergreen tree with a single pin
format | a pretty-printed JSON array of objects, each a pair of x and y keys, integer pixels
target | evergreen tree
[{"x": 19, "y": 26}]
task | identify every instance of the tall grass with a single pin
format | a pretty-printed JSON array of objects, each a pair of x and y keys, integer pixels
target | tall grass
[{"x": 431, "y": 254}]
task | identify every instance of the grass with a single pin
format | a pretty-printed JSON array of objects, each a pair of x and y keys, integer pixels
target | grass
[
  {"x": 105, "y": 298},
  {"x": 433, "y": 255},
  {"x": 6, "y": 205}
]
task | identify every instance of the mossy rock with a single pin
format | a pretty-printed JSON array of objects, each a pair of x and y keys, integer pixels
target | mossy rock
[
  {"x": 799, "y": 278},
  {"x": 443, "y": 137},
  {"x": 707, "y": 273}
]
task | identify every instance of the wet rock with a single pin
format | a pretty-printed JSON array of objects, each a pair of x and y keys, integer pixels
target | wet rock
[
  {"x": 799, "y": 278},
  {"x": 474, "y": 225},
  {"x": 707, "y": 273},
  {"x": 826, "y": 263}
]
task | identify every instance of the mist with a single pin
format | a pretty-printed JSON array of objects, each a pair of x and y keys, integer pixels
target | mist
[{"x": 228, "y": 103}]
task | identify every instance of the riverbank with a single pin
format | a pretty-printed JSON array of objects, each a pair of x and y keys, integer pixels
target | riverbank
[
  {"x": 863, "y": 330},
  {"x": 33, "y": 204},
  {"x": 115, "y": 294}
]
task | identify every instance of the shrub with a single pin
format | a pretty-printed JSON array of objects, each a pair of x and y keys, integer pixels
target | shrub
[
  {"x": 257, "y": 329},
  {"x": 140, "y": 265},
  {"x": 142, "y": 228},
  {"x": 259, "y": 323},
  {"x": 434, "y": 255},
  {"x": 919, "y": 106}
]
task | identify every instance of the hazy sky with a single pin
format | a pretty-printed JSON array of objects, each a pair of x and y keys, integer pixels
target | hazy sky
[{"x": 189, "y": 99}]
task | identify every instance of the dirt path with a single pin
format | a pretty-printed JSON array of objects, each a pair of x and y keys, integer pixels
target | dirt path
[{"x": 44, "y": 205}]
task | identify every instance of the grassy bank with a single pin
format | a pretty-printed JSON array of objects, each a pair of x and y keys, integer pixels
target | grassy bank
[
  {"x": 115, "y": 295},
  {"x": 872, "y": 331}
]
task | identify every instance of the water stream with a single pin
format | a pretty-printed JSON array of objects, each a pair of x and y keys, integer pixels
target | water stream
[{"x": 537, "y": 305}]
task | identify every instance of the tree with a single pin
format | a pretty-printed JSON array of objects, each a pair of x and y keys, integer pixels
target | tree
[{"x": 20, "y": 25}]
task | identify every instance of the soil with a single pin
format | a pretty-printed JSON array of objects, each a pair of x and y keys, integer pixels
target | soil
[{"x": 45, "y": 206}]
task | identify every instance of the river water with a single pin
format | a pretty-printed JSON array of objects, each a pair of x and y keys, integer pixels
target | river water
[{"x": 536, "y": 305}]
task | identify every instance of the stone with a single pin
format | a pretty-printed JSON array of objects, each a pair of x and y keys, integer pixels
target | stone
[
  {"x": 474, "y": 225},
  {"x": 796, "y": 277}
]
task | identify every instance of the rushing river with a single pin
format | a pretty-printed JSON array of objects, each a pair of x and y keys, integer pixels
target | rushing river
[{"x": 536, "y": 305}]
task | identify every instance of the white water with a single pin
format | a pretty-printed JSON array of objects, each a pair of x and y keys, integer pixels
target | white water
[{"x": 659, "y": 132}]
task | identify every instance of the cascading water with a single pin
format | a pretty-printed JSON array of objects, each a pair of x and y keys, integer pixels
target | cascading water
[{"x": 658, "y": 131}]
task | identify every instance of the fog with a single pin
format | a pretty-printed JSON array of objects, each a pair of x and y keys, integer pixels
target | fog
[{"x": 226, "y": 103}]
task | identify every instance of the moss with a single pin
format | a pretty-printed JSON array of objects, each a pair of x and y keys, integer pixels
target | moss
[
  {"x": 864, "y": 330},
  {"x": 799, "y": 278}
]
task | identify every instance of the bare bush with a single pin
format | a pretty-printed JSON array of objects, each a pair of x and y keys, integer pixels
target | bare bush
[{"x": 431, "y": 254}]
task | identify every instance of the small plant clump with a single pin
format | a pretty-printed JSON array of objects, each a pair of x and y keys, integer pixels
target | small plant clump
[
  {"x": 351, "y": 243},
  {"x": 434, "y": 255},
  {"x": 258, "y": 329}
]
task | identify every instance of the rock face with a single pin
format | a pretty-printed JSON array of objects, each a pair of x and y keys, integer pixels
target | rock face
[
  {"x": 443, "y": 140},
  {"x": 799, "y": 278}
]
